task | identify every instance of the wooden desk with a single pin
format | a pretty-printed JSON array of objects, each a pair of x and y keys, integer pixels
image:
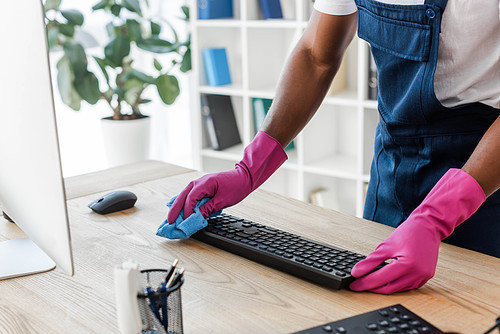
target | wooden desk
[{"x": 224, "y": 293}]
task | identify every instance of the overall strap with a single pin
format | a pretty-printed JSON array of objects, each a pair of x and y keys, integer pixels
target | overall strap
[{"x": 440, "y": 3}]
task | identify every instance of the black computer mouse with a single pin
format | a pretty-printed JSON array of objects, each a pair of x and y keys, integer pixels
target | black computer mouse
[{"x": 113, "y": 202}]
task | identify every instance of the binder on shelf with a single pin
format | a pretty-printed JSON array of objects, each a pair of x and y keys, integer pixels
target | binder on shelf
[
  {"x": 220, "y": 121},
  {"x": 216, "y": 66},
  {"x": 215, "y": 9},
  {"x": 372, "y": 77},
  {"x": 260, "y": 108},
  {"x": 271, "y": 9}
]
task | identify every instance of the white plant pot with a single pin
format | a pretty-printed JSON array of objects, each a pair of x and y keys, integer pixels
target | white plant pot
[{"x": 126, "y": 141}]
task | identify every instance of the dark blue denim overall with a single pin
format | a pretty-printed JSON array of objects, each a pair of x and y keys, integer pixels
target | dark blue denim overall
[{"x": 417, "y": 138}]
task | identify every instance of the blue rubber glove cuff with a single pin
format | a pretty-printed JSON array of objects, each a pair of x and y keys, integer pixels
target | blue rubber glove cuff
[{"x": 184, "y": 228}]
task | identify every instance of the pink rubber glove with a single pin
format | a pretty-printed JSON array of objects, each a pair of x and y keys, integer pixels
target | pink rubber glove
[
  {"x": 413, "y": 247},
  {"x": 260, "y": 160}
]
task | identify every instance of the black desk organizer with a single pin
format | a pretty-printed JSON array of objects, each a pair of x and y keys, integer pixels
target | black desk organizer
[{"x": 168, "y": 318}]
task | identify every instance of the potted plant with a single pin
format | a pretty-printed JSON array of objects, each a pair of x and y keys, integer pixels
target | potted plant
[{"x": 117, "y": 80}]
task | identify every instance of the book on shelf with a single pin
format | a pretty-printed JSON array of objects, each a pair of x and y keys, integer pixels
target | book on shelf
[
  {"x": 339, "y": 83},
  {"x": 326, "y": 198},
  {"x": 215, "y": 9},
  {"x": 372, "y": 77},
  {"x": 220, "y": 121},
  {"x": 260, "y": 108},
  {"x": 216, "y": 66},
  {"x": 271, "y": 9}
]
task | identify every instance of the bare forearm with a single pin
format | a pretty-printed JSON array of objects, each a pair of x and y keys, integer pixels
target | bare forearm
[
  {"x": 484, "y": 163},
  {"x": 308, "y": 75}
]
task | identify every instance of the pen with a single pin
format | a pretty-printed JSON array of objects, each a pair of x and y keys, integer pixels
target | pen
[
  {"x": 153, "y": 303},
  {"x": 171, "y": 270},
  {"x": 175, "y": 278},
  {"x": 163, "y": 290}
]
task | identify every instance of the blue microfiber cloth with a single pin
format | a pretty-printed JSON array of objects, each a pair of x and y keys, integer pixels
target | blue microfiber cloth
[{"x": 184, "y": 228}]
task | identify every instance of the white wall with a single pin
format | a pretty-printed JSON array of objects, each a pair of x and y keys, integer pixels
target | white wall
[{"x": 79, "y": 132}]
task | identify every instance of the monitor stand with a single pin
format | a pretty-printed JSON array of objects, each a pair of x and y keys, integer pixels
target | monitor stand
[{"x": 20, "y": 257}]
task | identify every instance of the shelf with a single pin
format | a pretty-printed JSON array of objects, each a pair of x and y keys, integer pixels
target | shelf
[
  {"x": 346, "y": 98},
  {"x": 232, "y": 89},
  {"x": 271, "y": 24},
  {"x": 335, "y": 149},
  {"x": 234, "y": 153},
  {"x": 339, "y": 166},
  {"x": 370, "y": 104},
  {"x": 221, "y": 23},
  {"x": 262, "y": 93}
]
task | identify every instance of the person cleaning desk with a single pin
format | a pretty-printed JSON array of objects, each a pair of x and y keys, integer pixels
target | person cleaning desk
[{"x": 436, "y": 167}]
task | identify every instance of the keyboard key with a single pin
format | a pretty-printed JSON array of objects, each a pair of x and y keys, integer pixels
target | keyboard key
[
  {"x": 328, "y": 328},
  {"x": 395, "y": 320},
  {"x": 383, "y": 323}
]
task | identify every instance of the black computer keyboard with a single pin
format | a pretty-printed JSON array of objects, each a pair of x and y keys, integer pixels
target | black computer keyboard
[
  {"x": 311, "y": 260},
  {"x": 392, "y": 319}
]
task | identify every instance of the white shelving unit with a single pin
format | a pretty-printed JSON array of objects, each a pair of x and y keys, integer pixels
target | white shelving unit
[{"x": 335, "y": 149}]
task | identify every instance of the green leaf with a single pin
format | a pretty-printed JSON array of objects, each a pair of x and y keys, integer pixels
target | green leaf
[
  {"x": 157, "y": 64},
  {"x": 110, "y": 29},
  {"x": 155, "y": 29},
  {"x": 116, "y": 50},
  {"x": 115, "y": 9},
  {"x": 168, "y": 88},
  {"x": 73, "y": 16},
  {"x": 52, "y": 4},
  {"x": 52, "y": 37},
  {"x": 102, "y": 65},
  {"x": 133, "y": 6},
  {"x": 67, "y": 29},
  {"x": 133, "y": 89},
  {"x": 65, "y": 78},
  {"x": 77, "y": 58},
  {"x": 100, "y": 5},
  {"x": 88, "y": 88},
  {"x": 186, "y": 61},
  {"x": 144, "y": 101},
  {"x": 156, "y": 45},
  {"x": 142, "y": 77},
  {"x": 134, "y": 30},
  {"x": 185, "y": 10}
]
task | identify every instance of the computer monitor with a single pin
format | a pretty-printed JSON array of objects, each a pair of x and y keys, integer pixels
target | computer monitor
[{"x": 31, "y": 185}]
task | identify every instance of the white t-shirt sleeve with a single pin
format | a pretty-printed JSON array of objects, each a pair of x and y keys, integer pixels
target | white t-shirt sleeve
[{"x": 335, "y": 7}]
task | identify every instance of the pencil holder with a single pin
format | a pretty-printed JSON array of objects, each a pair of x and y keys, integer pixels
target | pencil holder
[{"x": 160, "y": 307}]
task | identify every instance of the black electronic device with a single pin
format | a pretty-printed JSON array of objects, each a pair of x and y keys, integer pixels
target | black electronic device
[
  {"x": 310, "y": 260},
  {"x": 114, "y": 201},
  {"x": 391, "y": 319}
]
